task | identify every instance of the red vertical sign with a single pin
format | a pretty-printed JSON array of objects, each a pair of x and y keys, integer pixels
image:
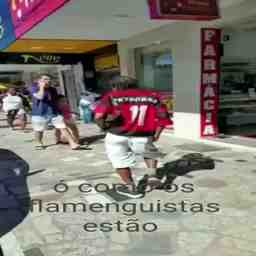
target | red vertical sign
[{"x": 210, "y": 78}]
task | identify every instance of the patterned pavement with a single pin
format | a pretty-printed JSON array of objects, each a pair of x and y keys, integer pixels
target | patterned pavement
[{"x": 217, "y": 218}]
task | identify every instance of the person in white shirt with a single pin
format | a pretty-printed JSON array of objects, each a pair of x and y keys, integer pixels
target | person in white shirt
[{"x": 13, "y": 107}]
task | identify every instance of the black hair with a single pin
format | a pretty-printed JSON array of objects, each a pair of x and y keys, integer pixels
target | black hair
[
  {"x": 61, "y": 96},
  {"x": 123, "y": 82},
  {"x": 40, "y": 75}
]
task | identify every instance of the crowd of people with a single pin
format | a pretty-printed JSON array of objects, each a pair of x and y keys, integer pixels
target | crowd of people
[{"x": 131, "y": 118}]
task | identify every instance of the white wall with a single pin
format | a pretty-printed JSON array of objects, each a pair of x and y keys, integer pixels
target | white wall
[
  {"x": 184, "y": 41},
  {"x": 240, "y": 46}
]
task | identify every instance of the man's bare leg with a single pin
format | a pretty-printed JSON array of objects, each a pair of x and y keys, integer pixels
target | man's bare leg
[
  {"x": 69, "y": 138},
  {"x": 23, "y": 123},
  {"x": 151, "y": 164},
  {"x": 129, "y": 189},
  {"x": 39, "y": 139},
  {"x": 74, "y": 132},
  {"x": 126, "y": 175},
  {"x": 57, "y": 134}
]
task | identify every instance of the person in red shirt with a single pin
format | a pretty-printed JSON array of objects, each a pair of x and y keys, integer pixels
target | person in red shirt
[
  {"x": 133, "y": 119},
  {"x": 67, "y": 114}
]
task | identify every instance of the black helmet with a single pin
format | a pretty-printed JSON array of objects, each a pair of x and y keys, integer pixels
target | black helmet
[{"x": 123, "y": 82}]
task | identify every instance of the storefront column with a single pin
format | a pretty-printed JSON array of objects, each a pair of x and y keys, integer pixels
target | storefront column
[
  {"x": 186, "y": 84},
  {"x": 127, "y": 60}
]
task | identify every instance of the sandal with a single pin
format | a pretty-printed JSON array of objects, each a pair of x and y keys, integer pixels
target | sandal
[
  {"x": 40, "y": 147},
  {"x": 60, "y": 143}
]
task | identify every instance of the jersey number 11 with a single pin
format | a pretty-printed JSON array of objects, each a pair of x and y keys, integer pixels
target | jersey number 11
[{"x": 139, "y": 113}]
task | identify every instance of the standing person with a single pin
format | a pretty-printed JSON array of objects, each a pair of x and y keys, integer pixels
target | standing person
[
  {"x": 134, "y": 119},
  {"x": 13, "y": 106},
  {"x": 87, "y": 106},
  {"x": 43, "y": 106}
]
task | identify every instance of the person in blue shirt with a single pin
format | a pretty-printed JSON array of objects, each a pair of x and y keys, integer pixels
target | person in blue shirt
[{"x": 44, "y": 99}]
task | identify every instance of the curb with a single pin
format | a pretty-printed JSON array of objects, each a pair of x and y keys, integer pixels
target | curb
[{"x": 216, "y": 143}]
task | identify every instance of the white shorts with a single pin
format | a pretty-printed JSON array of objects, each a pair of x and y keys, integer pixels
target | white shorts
[
  {"x": 122, "y": 150},
  {"x": 39, "y": 123}
]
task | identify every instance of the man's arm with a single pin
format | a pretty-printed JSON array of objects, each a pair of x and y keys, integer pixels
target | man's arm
[
  {"x": 100, "y": 121},
  {"x": 101, "y": 112},
  {"x": 163, "y": 120},
  {"x": 40, "y": 93},
  {"x": 5, "y": 104},
  {"x": 158, "y": 133}
]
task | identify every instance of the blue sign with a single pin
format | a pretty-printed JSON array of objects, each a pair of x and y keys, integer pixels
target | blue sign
[{"x": 7, "y": 34}]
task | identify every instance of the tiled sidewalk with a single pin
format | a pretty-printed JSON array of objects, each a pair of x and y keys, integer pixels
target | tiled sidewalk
[{"x": 181, "y": 232}]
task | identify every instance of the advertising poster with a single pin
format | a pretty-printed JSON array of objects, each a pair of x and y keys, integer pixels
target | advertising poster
[
  {"x": 19, "y": 16},
  {"x": 184, "y": 9}
]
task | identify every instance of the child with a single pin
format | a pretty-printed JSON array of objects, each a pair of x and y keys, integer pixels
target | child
[{"x": 65, "y": 110}]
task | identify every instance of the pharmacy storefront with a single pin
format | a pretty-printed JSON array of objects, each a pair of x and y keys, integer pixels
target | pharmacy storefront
[{"x": 208, "y": 69}]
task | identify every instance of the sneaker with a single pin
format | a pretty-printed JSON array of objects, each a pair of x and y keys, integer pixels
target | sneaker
[
  {"x": 40, "y": 147},
  {"x": 131, "y": 193},
  {"x": 142, "y": 184},
  {"x": 150, "y": 182}
]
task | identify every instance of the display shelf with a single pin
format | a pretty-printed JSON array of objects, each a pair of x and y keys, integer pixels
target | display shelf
[
  {"x": 237, "y": 106},
  {"x": 237, "y": 99}
]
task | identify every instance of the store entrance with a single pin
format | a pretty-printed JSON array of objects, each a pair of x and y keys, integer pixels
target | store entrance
[
  {"x": 237, "y": 115},
  {"x": 154, "y": 70}
]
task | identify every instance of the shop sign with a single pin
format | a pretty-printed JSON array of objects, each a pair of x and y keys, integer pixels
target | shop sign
[
  {"x": 41, "y": 58},
  {"x": 44, "y": 59},
  {"x": 184, "y": 9},
  {"x": 19, "y": 16},
  {"x": 210, "y": 78}
]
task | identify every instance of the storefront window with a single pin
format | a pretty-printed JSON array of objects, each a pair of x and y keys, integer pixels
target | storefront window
[
  {"x": 237, "y": 115},
  {"x": 154, "y": 70}
]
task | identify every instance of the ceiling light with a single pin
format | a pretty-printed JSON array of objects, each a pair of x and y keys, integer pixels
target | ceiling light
[{"x": 36, "y": 47}]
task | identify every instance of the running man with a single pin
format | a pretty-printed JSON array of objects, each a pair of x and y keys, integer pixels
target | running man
[{"x": 133, "y": 119}]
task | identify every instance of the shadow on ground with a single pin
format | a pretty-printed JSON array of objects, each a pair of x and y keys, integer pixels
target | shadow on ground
[
  {"x": 92, "y": 139},
  {"x": 184, "y": 166}
]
